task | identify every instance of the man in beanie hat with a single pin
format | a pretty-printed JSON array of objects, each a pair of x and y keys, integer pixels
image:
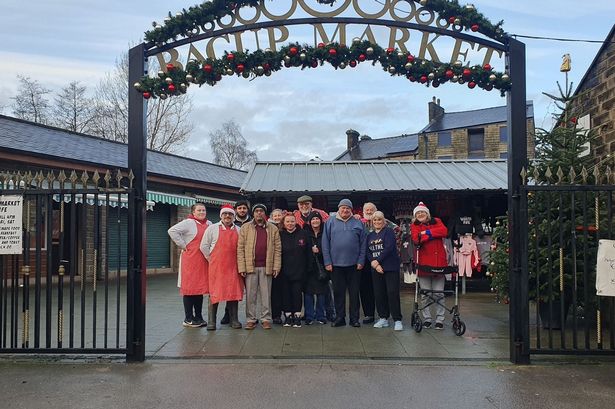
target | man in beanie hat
[
  {"x": 304, "y": 208},
  {"x": 343, "y": 250},
  {"x": 259, "y": 258},
  {"x": 428, "y": 234},
  {"x": 219, "y": 245}
]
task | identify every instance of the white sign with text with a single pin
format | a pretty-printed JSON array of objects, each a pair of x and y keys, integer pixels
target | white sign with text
[
  {"x": 11, "y": 208},
  {"x": 605, "y": 269}
]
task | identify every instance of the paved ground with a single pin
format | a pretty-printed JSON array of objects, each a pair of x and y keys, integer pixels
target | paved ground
[
  {"x": 486, "y": 337},
  {"x": 302, "y": 384}
]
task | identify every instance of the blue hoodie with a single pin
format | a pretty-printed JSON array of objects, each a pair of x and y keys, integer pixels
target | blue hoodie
[{"x": 343, "y": 242}]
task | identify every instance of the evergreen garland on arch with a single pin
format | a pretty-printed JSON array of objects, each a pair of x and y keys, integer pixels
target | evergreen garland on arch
[
  {"x": 188, "y": 22},
  {"x": 175, "y": 81}
]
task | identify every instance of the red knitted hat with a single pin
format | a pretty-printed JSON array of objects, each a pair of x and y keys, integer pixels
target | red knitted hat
[{"x": 227, "y": 208}]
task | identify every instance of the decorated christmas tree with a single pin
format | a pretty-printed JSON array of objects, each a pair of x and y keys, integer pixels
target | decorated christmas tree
[{"x": 498, "y": 260}]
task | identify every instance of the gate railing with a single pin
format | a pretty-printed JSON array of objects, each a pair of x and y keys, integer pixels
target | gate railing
[
  {"x": 566, "y": 221},
  {"x": 65, "y": 292}
]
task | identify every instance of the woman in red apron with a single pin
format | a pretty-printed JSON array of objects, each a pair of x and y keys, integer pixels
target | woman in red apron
[
  {"x": 219, "y": 246},
  {"x": 193, "y": 278}
]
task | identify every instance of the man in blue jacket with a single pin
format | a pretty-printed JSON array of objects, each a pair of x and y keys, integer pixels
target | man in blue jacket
[{"x": 343, "y": 250}]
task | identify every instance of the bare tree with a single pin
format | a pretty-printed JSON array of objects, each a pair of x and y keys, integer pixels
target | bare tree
[
  {"x": 31, "y": 103},
  {"x": 168, "y": 128},
  {"x": 72, "y": 109},
  {"x": 229, "y": 147}
]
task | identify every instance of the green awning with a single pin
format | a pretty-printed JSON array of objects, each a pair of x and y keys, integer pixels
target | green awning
[
  {"x": 214, "y": 200},
  {"x": 179, "y": 200}
]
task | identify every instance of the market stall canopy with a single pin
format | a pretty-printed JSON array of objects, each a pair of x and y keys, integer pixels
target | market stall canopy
[{"x": 377, "y": 176}]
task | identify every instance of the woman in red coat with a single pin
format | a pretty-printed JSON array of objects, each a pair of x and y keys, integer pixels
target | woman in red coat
[{"x": 428, "y": 234}]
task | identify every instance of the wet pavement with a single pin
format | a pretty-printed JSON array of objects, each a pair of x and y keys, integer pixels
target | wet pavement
[{"x": 486, "y": 337}]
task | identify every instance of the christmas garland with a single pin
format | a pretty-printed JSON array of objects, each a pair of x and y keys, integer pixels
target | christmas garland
[
  {"x": 263, "y": 62},
  {"x": 187, "y": 22}
]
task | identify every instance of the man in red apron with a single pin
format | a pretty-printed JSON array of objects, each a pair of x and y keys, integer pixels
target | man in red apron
[
  {"x": 219, "y": 245},
  {"x": 193, "y": 278}
]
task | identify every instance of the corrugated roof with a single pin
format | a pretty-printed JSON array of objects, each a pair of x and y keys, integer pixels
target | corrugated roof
[
  {"x": 383, "y": 147},
  {"x": 376, "y": 176},
  {"x": 40, "y": 140},
  {"x": 470, "y": 119}
]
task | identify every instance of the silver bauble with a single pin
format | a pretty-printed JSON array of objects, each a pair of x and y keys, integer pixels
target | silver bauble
[
  {"x": 455, "y": 78},
  {"x": 492, "y": 77},
  {"x": 342, "y": 65},
  {"x": 457, "y": 22},
  {"x": 163, "y": 96},
  {"x": 470, "y": 7},
  {"x": 356, "y": 40},
  {"x": 392, "y": 70},
  {"x": 505, "y": 77},
  {"x": 369, "y": 51},
  {"x": 286, "y": 59},
  {"x": 267, "y": 50},
  {"x": 189, "y": 78},
  {"x": 461, "y": 81},
  {"x": 408, "y": 66},
  {"x": 161, "y": 74},
  {"x": 183, "y": 87},
  {"x": 400, "y": 55},
  {"x": 229, "y": 71},
  {"x": 302, "y": 56},
  {"x": 431, "y": 76},
  {"x": 137, "y": 85},
  {"x": 168, "y": 80},
  {"x": 457, "y": 63},
  {"x": 260, "y": 70}
]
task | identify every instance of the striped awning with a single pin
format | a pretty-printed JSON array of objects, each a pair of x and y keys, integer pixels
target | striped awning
[
  {"x": 214, "y": 200},
  {"x": 168, "y": 198},
  {"x": 100, "y": 200}
]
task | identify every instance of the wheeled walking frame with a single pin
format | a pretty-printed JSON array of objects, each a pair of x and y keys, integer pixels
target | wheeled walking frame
[{"x": 459, "y": 327}]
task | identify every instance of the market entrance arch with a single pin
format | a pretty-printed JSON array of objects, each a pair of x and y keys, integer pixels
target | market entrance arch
[{"x": 221, "y": 22}]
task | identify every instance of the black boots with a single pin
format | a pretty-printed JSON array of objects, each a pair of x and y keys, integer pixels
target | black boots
[
  {"x": 226, "y": 319},
  {"x": 212, "y": 311},
  {"x": 233, "y": 309}
]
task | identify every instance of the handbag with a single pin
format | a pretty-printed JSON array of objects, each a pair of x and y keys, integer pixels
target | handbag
[
  {"x": 323, "y": 275},
  {"x": 409, "y": 277}
]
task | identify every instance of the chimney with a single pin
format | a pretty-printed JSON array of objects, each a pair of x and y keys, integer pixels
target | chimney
[
  {"x": 352, "y": 142},
  {"x": 435, "y": 110}
]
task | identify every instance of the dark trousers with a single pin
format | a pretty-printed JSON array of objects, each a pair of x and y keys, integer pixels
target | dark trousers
[
  {"x": 292, "y": 296},
  {"x": 193, "y": 306},
  {"x": 346, "y": 278},
  {"x": 367, "y": 292},
  {"x": 276, "y": 297},
  {"x": 386, "y": 291}
]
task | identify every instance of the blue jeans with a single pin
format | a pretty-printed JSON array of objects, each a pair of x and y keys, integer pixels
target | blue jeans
[{"x": 308, "y": 304}]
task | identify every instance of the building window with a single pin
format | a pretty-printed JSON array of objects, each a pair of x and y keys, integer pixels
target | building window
[
  {"x": 503, "y": 155},
  {"x": 476, "y": 143},
  {"x": 503, "y": 134},
  {"x": 444, "y": 139}
]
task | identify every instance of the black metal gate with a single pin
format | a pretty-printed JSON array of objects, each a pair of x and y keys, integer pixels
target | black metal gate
[
  {"x": 566, "y": 219},
  {"x": 62, "y": 294}
]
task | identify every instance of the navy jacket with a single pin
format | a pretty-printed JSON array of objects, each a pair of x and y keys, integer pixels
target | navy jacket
[{"x": 382, "y": 246}]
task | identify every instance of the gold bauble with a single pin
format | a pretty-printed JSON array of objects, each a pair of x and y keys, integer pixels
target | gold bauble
[
  {"x": 505, "y": 77},
  {"x": 392, "y": 70},
  {"x": 431, "y": 76},
  {"x": 492, "y": 77},
  {"x": 189, "y": 78},
  {"x": 457, "y": 63},
  {"x": 286, "y": 59},
  {"x": 423, "y": 2},
  {"x": 229, "y": 71},
  {"x": 408, "y": 66},
  {"x": 356, "y": 40},
  {"x": 137, "y": 85},
  {"x": 457, "y": 22}
]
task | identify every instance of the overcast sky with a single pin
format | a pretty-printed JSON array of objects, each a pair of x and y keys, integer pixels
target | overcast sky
[{"x": 294, "y": 114}]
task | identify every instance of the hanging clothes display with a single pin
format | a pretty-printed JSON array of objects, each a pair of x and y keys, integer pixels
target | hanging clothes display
[{"x": 466, "y": 256}]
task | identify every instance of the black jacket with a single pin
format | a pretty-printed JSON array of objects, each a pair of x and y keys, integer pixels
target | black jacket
[
  {"x": 296, "y": 254},
  {"x": 312, "y": 284}
]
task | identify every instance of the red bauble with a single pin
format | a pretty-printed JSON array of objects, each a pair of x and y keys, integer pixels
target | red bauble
[
  {"x": 467, "y": 72},
  {"x": 390, "y": 50},
  {"x": 287, "y": 64},
  {"x": 451, "y": 19},
  {"x": 449, "y": 74},
  {"x": 474, "y": 27},
  {"x": 410, "y": 58},
  {"x": 146, "y": 95},
  {"x": 333, "y": 52},
  {"x": 411, "y": 78},
  {"x": 208, "y": 68},
  {"x": 314, "y": 63},
  {"x": 471, "y": 84},
  {"x": 266, "y": 66},
  {"x": 240, "y": 68},
  {"x": 230, "y": 56},
  {"x": 293, "y": 51},
  {"x": 321, "y": 45},
  {"x": 423, "y": 79},
  {"x": 362, "y": 57},
  {"x": 171, "y": 88},
  {"x": 487, "y": 67},
  {"x": 170, "y": 67},
  {"x": 573, "y": 119},
  {"x": 352, "y": 63}
]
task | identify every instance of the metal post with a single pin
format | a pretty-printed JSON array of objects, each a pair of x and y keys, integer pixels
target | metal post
[
  {"x": 137, "y": 162},
  {"x": 517, "y": 206}
]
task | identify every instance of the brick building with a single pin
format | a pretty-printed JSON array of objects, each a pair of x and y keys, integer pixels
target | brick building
[
  {"x": 474, "y": 134},
  {"x": 597, "y": 109}
]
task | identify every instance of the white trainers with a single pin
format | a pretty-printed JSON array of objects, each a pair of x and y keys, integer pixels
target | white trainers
[
  {"x": 399, "y": 326},
  {"x": 381, "y": 323}
]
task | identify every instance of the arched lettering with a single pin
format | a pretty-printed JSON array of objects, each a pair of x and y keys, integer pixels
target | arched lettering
[
  {"x": 385, "y": 7},
  {"x": 427, "y": 47},
  {"x": 401, "y": 42},
  {"x": 421, "y": 12},
  {"x": 290, "y": 12},
  {"x": 192, "y": 51},
  {"x": 173, "y": 59},
  {"x": 209, "y": 50},
  {"x": 369, "y": 34},
  {"x": 319, "y": 30},
  {"x": 394, "y": 10},
  {"x": 317, "y": 13},
  {"x": 229, "y": 24},
  {"x": 253, "y": 20},
  {"x": 273, "y": 40},
  {"x": 488, "y": 53},
  {"x": 458, "y": 53}
]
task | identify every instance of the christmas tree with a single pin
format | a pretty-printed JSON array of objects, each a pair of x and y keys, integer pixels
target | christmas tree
[{"x": 498, "y": 260}]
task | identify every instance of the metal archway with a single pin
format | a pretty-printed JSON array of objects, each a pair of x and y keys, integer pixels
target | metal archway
[{"x": 517, "y": 147}]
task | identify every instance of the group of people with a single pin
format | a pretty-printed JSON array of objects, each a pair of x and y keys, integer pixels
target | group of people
[{"x": 302, "y": 260}]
